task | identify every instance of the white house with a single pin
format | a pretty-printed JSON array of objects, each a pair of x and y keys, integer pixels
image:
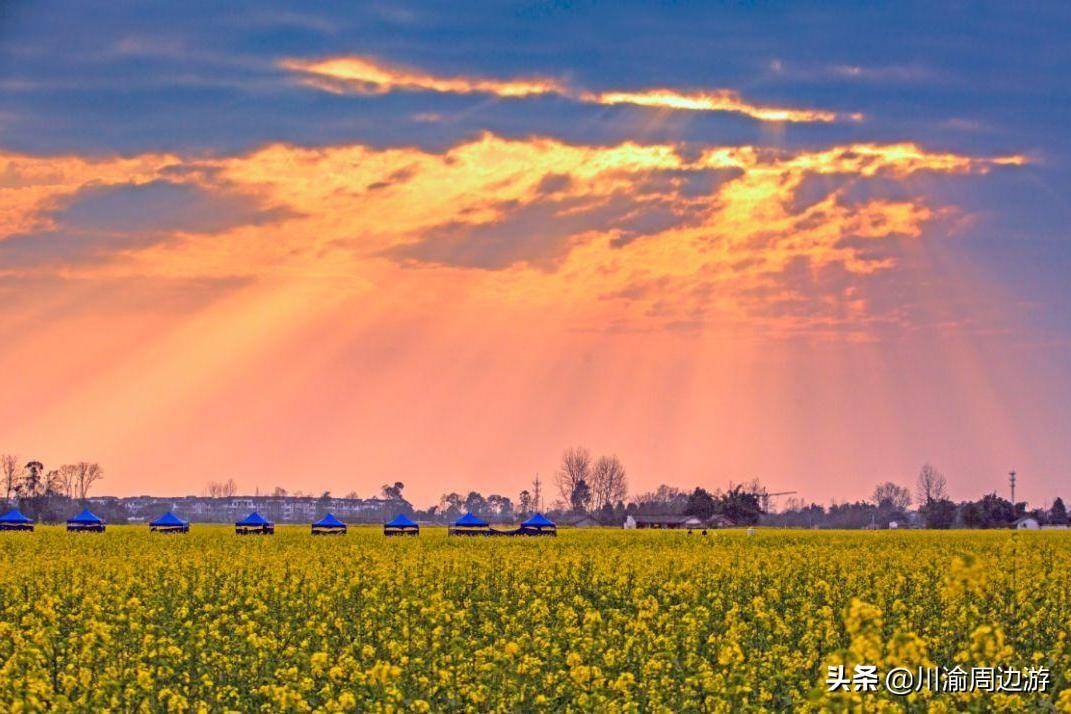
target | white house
[
  {"x": 662, "y": 522},
  {"x": 1027, "y": 523}
]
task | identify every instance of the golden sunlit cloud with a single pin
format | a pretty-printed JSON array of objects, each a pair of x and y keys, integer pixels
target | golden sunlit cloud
[
  {"x": 363, "y": 75},
  {"x": 629, "y": 236},
  {"x": 291, "y": 297},
  {"x": 724, "y": 100},
  {"x": 366, "y": 76}
]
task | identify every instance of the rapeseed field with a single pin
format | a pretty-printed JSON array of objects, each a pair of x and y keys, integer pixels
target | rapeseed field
[{"x": 590, "y": 621}]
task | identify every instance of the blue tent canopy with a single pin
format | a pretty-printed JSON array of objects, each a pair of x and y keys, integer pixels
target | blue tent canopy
[
  {"x": 14, "y": 516},
  {"x": 329, "y": 521},
  {"x": 86, "y": 517},
  {"x": 253, "y": 519},
  {"x": 168, "y": 519},
  {"x": 470, "y": 521},
  {"x": 538, "y": 521},
  {"x": 401, "y": 521}
]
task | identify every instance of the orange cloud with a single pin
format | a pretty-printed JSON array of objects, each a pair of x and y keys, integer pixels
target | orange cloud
[
  {"x": 632, "y": 236},
  {"x": 723, "y": 100},
  {"x": 363, "y": 75},
  {"x": 366, "y": 76},
  {"x": 394, "y": 303}
]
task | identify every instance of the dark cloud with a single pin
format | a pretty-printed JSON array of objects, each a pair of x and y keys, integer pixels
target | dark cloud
[
  {"x": 96, "y": 221},
  {"x": 161, "y": 206},
  {"x": 540, "y": 234}
]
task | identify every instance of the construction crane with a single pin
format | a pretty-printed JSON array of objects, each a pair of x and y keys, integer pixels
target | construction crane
[{"x": 765, "y": 496}]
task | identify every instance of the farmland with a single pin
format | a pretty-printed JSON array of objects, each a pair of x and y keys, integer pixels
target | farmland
[{"x": 591, "y": 620}]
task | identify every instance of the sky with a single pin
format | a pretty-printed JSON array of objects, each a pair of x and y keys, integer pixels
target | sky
[{"x": 329, "y": 246}]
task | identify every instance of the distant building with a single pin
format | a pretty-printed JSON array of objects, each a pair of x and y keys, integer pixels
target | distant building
[
  {"x": 662, "y": 522},
  {"x": 718, "y": 521},
  {"x": 1026, "y": 523},
  {"x": 581, "y": 521}
]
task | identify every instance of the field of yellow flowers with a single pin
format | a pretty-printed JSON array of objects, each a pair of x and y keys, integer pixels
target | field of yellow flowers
[{"x": 601, "y": 620}]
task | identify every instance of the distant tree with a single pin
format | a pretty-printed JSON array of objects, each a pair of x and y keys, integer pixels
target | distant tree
[
  {"x": 701, "y": 504},
  {"x": 67, "y": 480},
  {"x": 970, "y": 515},
  {"x": 1058, "y": 512},
  {"x": 393, "y": 492},
  {"x": 931, "y": 485},
  {"x": 475, "y": 503},
  {"x": 278, "y": 492},
  {"x": 892, "y": 497},
  {"x": 500, "y": 506},
  {"x": 740, "y": 506},
  {"x": 33, "y": 483},
  {"x": 352, "y": 495},
  {"x": 88, "y": 474},
  {"x": 325, "y": 496},
  {"x": 580, "y": 498},
  {"x": 226, "y": 489},
  {"x": 991, "y": 511},
  {"x": 524, "y": 502},
  {"x": 575, "y": 467},
  {"x": 998, "y": 512},
  {"x": 609, "y": 482},
  {"x": 664, "y": 500},
  {"x": 797, "y": 514},
  {"x": 938, "y": 513},
  {"x": 54, "y": 483},
  {"x": 451, "y": 504},
  {"x": 9, "y": 474}
]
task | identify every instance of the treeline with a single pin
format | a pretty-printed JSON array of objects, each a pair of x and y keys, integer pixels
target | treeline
[
  {"x": 46, "y": 494},
  {"x": 891, "y": 503},
  {"x": 596, "y": 488}
]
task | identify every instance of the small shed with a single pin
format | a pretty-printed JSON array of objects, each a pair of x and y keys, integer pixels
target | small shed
[
  {"x": 169, "y": 523},
  {"x": 719, "y": 521},
  {"x": 400, "y": 525},
  {"x": 85, "y": 522},
  {"x": 538, "y": 524},
  {"x": 1026, "y": 523},
  {"x": 15, "y": 520},
  {"x": 254, "y": 524},
  {"x": 581, "y": 521},
  {"x": 469, "y": 524},
  {"x": 329, "y": 525}
]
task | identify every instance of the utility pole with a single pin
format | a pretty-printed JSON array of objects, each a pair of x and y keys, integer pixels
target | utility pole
[
  {"x": 536, "y": 494},
  {"x": 1011, "y": 480}
]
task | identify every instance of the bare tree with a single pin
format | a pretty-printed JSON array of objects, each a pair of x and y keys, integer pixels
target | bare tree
[
  {"x": 932, "y": 485},
  {"x": 67, "y": 476},
  {"x": 575, "y": 469},
  {"x": 899, "y": 497},
  {"x": 226, "y": 489},
  {"x": 88, "y": 474},
  {"x": 609, "y": 482},
  {"x": 9, "y": 473}
]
